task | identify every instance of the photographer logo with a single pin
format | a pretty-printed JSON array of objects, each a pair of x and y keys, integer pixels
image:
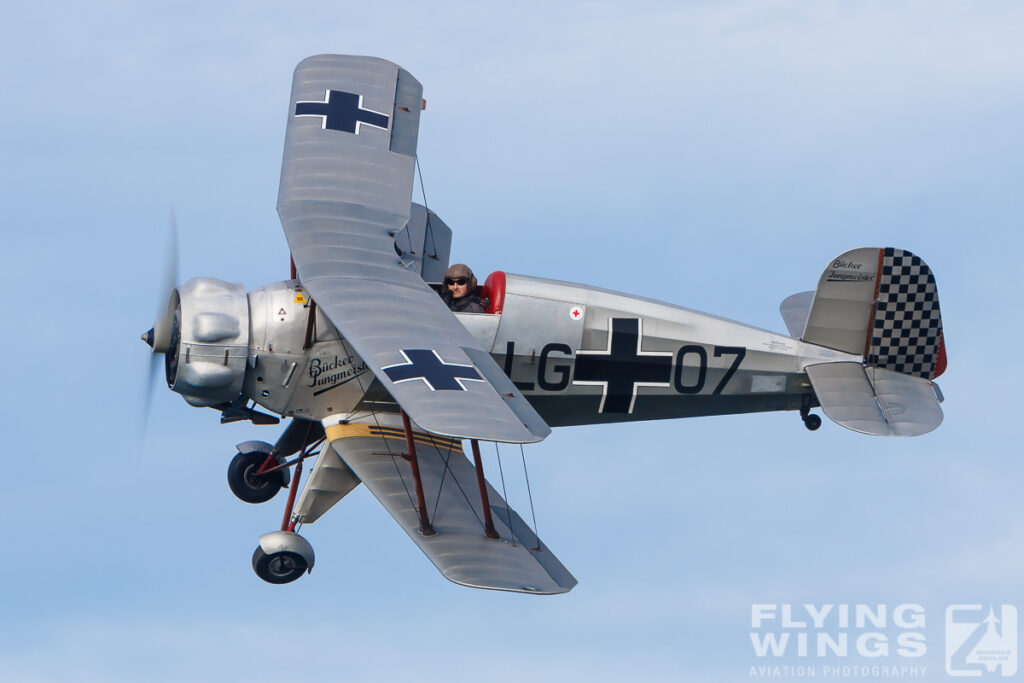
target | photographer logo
[{"x": 981, "y": 640}]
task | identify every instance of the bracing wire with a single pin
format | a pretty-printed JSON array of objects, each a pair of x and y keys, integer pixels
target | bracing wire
[
  {"x": 536, "y": 533},
  {"x": 387, "y": 446},
  {"x": 508, "y": 511},
  {"x": 458, "y": 485},
  {"x": 429, "y": 229},
  {"x": 423, "y": 190},
  {"x": 444, "y": 474}
]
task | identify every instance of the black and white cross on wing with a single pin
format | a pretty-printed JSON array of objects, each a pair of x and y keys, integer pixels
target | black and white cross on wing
[
  {"x": 622, "y": 366},
  {"x": 343, "y": 111},
  {"x": 428, "y": 366}
]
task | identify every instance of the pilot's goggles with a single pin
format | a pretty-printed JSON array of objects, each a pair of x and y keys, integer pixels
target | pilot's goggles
[{"x": 455, "y": 281}]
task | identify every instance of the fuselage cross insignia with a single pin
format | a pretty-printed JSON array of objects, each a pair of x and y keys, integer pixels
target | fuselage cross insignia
[
  {"x": 426, "y": 365},
  {"x": 622, "y": 367},
  {"x": 343, "y": 111}
]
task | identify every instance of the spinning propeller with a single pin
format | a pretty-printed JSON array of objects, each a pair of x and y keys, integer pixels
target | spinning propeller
[{"x": 160, "y": 337}]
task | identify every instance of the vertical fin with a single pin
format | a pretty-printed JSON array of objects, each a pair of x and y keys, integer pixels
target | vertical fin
[
  {"x": 882, "y": 303},
  {"x": 906, "y": 332}
]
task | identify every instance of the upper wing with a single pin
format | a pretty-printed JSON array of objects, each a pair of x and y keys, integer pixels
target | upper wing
[
  {"x": 346, "y": 188},
  {"x": 517, "y": 561}
]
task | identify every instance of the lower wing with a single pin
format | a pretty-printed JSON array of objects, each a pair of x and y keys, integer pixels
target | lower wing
[{"x": 375, "y": 451}]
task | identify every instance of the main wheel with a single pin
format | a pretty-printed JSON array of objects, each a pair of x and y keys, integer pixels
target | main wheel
[
  {"x": 249, "y": 486},
  {"x": 283, "y": 566},
  {"x": 812, "y": 422}
]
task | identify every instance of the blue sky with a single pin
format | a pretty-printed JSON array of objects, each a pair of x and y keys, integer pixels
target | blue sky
[{"x": 714, "y": 155}]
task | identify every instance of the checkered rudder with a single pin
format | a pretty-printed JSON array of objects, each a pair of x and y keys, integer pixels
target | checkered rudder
[{"x": 906, "y": 334}]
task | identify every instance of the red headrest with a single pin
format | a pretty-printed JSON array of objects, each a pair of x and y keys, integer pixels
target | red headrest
[{"x": 493, "y": 291}]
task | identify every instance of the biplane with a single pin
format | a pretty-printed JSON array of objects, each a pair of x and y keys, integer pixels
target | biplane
[{"x": 386, "y": 386}]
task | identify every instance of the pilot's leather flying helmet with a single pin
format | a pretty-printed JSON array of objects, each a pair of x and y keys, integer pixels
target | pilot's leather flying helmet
[{"x": 461, "y": 270}]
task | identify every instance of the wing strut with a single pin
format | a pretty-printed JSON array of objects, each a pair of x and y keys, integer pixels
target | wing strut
[
  {"x": 421, "y": 502},
  {"x": 489, "y": 529}
]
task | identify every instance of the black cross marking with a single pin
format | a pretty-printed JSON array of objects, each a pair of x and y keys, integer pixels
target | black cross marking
[
  {"x": 342, "y": 111},
  {"x": 426, "y": 365},
  {"x": 622, "y": 366}
]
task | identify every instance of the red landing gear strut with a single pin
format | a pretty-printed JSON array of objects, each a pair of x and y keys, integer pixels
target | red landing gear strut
[
  {"x": 288, "y": 524},
  {"x": 270, "y": 465}
]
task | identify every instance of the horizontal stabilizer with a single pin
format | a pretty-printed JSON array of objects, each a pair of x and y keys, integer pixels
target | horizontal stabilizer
[
  {"x": 518, "y": 561},
  {"x": 875, "y": 401},
  {"x": 794, "y": 310}
]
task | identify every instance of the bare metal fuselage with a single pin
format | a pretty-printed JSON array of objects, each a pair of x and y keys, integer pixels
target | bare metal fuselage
[{"x": 580, "y": 355}]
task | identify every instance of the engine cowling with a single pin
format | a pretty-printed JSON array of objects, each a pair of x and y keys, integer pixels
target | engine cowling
[{"x": 209, "y": 344}]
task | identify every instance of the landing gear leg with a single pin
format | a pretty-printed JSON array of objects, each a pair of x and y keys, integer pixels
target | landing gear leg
[{"x": 283, "y": 556}]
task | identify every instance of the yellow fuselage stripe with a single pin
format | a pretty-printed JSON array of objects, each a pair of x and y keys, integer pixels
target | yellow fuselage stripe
[{"x": 348, "y": 431}]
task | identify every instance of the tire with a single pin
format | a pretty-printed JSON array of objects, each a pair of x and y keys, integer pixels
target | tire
[
  {"x": 812, "y": 422},
  {"x": 280, "y": 567},
  {"x": 249, "y": 486}
]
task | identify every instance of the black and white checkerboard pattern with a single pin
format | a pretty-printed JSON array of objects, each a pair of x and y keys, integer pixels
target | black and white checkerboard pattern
[{"x": 907, "y": 326}]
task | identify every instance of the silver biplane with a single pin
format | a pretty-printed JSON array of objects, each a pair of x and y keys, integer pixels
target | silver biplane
[{"x": 385, "y": 384}]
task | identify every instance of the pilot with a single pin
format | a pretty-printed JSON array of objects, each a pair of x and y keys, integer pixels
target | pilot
[{"x": 460, "y": 290}]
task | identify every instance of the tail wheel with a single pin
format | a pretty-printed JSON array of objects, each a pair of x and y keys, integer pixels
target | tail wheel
[
  {"x": 812, "y": 422},
  {"x": 246, "y": 482}
]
